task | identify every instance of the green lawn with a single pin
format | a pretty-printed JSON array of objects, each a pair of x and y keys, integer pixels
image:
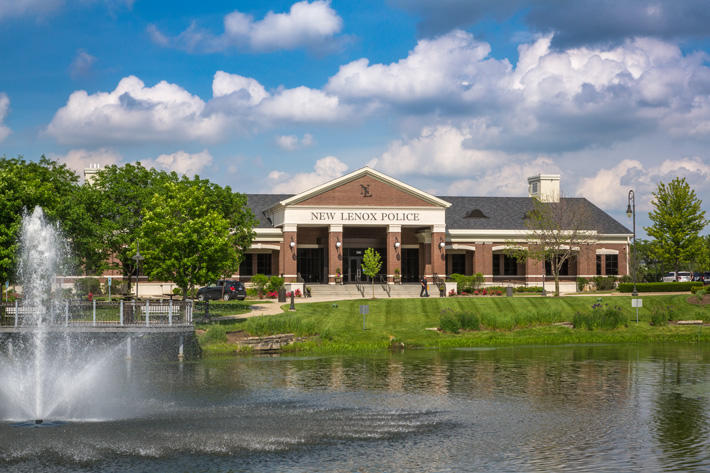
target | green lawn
[{"x": 517, "y": 320}]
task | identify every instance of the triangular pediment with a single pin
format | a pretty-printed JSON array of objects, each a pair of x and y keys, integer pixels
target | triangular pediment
[{"x": 365, "y": 188}]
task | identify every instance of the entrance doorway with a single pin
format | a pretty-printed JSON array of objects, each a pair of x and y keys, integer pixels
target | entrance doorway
[
  {"x": 410, "y": 264},
  {"x": 310, "y": 262},
  {"x": 352, "y": 262}
]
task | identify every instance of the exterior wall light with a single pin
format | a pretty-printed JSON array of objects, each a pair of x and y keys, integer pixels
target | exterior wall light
[
  {"x": 292, "y": 244},
  {"x": 338, "y": 244},
  {"x": 442, "y": 245},
  {"x": 396, "y": 244}
]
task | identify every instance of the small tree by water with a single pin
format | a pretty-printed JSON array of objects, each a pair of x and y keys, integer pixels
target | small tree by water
[{"x": 371, "y": 264}]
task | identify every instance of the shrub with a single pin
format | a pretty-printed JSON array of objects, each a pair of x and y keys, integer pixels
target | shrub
[
  {"x": 274, "y": 295},
  {"x": 604, "y": 283},
  {"x": 84, "y": 286},
  {"x": 661, "y": 286},
  {"x": 275, "y": 283},
  {"x": 452, "y": 292},
  {"x": 449, "y": 322},
  {"x": 259, "y": 282},
  {"x": 659, "y": 317},
  {"x": 252, "y": 292},
  {"x": 466, "y": 284},
  {"x": 176, "y": 291},
  {"x": 582, "y": 283},
  {"x": 626, "y": 278},
  {"x": 601, "y": 316},
  {"x": 699, "y": 293},
  {"x": 528, "y": 289},
  {"x": 216, "y": 333},
  {"x": 469, "y": 321}
]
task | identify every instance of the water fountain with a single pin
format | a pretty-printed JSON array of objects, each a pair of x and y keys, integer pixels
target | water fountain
[{"x": 48, "y": 372}]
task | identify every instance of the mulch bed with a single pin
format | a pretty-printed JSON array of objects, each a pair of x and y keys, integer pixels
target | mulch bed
[{"x": 694, "y": 300}]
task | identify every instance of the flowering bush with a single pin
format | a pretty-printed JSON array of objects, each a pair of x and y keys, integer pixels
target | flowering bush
[
  {"x": 484, "y": 292},
  {"x": 297, "y": 293},
  {"x": 500, "y": 293},
  {"x": 452, "y": 292},
  {"x": 272, "y": 295},
  {"x": 475, "y": 293}
]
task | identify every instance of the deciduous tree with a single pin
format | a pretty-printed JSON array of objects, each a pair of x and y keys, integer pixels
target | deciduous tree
[
  {"x": 189, "y": 240},
  {"x": 371, "y": 265},
  {"x": 677, "y": 219},
  {"x": 556, "y": 232}
]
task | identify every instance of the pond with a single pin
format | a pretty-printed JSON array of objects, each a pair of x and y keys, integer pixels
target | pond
[{"x": 572, "y": 408}]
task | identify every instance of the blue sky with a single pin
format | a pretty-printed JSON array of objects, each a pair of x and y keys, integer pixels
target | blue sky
[{"x": 456, "y": 97}]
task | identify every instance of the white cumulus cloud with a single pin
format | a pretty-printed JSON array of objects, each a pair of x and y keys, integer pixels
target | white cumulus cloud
[
  {"x": 135, "y": 113},
  {"x": 293, "y": 142},
  {"x": 306, "y": 24},
  {"x": 181, "y": 162},
  {"x": 15, "y": 8},
  {"x": 609, "y": 187},
  {"x": 508, "y": 179},
  {"x": 4, "y": 108},
  {"x": 82, "y": 64},
  {"x": 325, "y": 169},
  {"x": 80, "y": 159},
  {"x": 437, "y": 151}
]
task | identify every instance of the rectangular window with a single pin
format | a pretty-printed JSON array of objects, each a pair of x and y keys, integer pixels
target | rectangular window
[
  {"x": 599, "y": 264},
  {"x": 246, "y": 265},
  {"x": 564, "y": 269},
  {"x": 458, "y": 264},
  {"x": 263, "y": 263},
  {"x": 510, "y": 266},
  {"x": 612, "y": 264}
]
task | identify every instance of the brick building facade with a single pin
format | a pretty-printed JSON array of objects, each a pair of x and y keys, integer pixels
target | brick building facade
[{"x": 320, "y": 235}]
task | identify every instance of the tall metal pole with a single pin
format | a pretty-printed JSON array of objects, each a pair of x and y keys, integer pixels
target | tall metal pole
[{"x": 631, "y": 212}]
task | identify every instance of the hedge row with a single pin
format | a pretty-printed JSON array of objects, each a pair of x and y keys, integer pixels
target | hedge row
[{"x": 659, "y": 286}]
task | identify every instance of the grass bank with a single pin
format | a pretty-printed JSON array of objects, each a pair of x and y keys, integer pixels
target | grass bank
[{"x": 338, "y": 327}]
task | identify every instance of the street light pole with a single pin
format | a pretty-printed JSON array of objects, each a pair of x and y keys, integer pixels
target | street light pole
[{"x": 631, "y": 213}]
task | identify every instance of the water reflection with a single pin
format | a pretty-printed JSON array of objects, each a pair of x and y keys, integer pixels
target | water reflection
[{"x": 585, "y": 408}]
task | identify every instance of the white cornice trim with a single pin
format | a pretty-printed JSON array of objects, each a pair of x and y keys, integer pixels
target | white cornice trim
[{"x": 607, "y": 251}]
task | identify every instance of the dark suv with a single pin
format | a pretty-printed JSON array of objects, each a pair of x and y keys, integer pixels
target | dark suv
[{"x": 224, "y": 289}]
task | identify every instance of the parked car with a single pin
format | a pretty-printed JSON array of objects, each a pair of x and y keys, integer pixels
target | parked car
[
  {"x": 682, "y": 276},
  {"x": 702, "y": 277},
  {"x": 224, "y": 289}
]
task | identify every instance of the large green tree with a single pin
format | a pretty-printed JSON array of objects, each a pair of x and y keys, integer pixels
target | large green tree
[
  {"x": 118, "y": 198},
  {"x": 45, "y": 183},
  {"x": 189, "y": 238},
  {"x": 677, "y": 219}
]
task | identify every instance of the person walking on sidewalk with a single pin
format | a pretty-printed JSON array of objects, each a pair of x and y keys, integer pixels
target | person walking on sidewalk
[{"x": 425, "y": 290}]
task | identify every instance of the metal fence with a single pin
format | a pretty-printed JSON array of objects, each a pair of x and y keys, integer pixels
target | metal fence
[{"x": 98, "y": 313}]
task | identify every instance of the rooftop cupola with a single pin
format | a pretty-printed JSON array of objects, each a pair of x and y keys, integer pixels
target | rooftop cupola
[{"x": 544, "y": 187}]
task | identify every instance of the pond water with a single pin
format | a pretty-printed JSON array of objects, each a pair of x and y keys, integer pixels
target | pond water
[{"x": 574, "y": 408}]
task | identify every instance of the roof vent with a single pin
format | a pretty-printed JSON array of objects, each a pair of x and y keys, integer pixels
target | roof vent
[{"x": 476, "y": 213}]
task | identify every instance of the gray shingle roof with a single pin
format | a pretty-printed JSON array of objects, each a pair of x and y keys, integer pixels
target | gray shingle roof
[
  {"x": 503, "y": 213},
  {"x": 508, "y": 213},
  {"x": 260, "y": 202}
]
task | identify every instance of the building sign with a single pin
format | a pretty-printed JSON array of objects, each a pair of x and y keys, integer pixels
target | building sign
[{"x": 364, "y": 216}]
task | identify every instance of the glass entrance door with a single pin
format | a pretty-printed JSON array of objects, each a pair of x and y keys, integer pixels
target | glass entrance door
[{"x": 355, "y": 269}]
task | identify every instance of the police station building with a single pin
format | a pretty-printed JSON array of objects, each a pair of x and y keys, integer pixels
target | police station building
[{"x": 320, "y": 235}]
